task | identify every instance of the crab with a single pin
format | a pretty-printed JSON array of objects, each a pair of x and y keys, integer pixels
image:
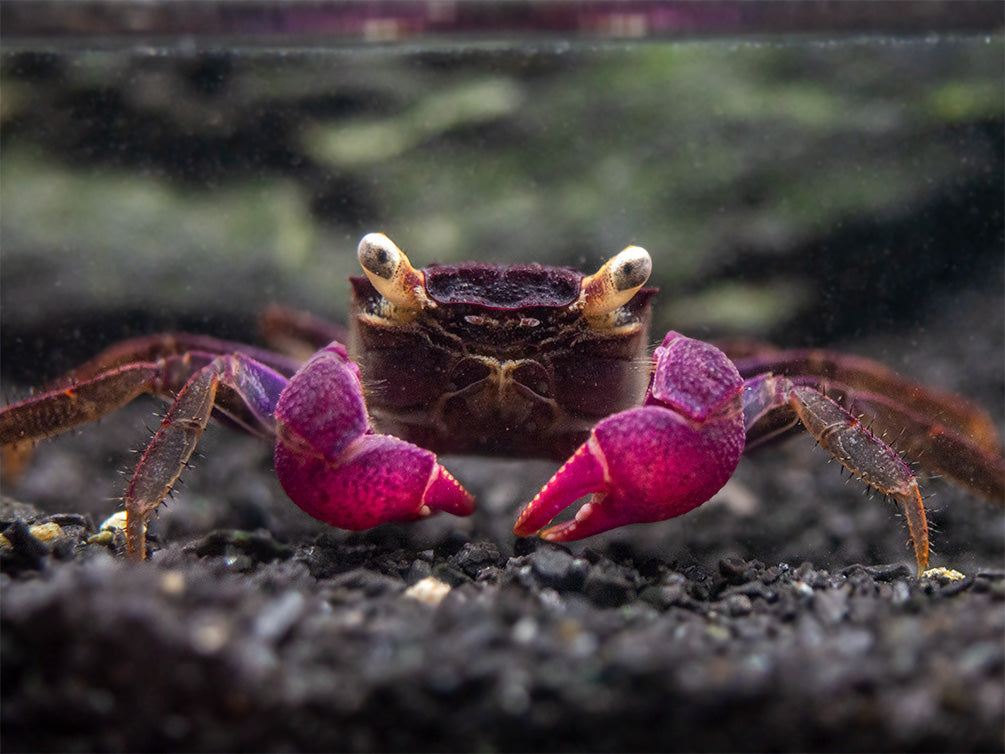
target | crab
[{"x": 522, "y": 360}]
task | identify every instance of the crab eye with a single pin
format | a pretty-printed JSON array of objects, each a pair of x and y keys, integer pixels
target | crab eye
[
  {"x": 631, "y": 269},
  {"x": 391, "y": 273},
  {"x": 614, "y": 284},
  {"x": 379, "y": 256}
]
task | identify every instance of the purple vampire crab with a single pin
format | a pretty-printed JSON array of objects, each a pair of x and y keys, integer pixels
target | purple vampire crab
[{"x": 524, "y": 361}]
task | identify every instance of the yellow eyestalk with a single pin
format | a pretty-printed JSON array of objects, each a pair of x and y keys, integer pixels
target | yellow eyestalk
[
  {"x": 391, "y": 273},
  {"x": 614, "y": 284}
]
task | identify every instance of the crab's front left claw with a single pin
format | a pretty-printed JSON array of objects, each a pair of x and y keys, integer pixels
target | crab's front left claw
[
  {"x": 654, "y": 462},
  {"x": 338, "y": 470}
]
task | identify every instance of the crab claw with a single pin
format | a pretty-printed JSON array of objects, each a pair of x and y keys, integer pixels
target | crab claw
[
  {"x": 331, "y": 463},
  {"x": 654, "y": 462}
]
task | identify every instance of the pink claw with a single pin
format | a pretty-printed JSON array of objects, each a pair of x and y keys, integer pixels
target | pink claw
[
  {"x": 335, "y": 468},
  {"x": 654, "y": 462}
]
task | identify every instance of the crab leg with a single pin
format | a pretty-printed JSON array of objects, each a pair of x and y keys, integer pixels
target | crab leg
[
  {"x": 255, "y": 385},
  {"x": 864, "y": 376},
  {"x": 938, "y": 448},
  {"x": 61, "y": 409},
  {"x": 297, "y": 332},
  {"x": 153, "y": 348},
  {"x": 101, "y": 386},
  {"x": 775, "y": 399},
  {"x": 89, "y": 393},
  {"x": 945, "y": 433},
  {"x": 653, "y": 462},
  {"x": 157, "y": 364}
]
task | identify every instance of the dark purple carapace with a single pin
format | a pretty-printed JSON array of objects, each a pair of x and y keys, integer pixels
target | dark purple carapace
[
  {"x": 503, "y": 364},
  {"x": 503, "y": 287}
]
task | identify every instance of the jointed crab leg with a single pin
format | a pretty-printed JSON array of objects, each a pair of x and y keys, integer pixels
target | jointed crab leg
[
  {"x": 157, "y": 364},
  {"x": 945, "y": 433},
  {"x": 864, "y": 376},
  {"x": 843, "y": 436},
  {"x": 161, "y": 347},
  {"x": 938, "y": 448},
  {"x": 112, "y": 379},
  {"x": 166, "y": 456},
  {"x": 52, "y": 412},
  {"x": 251, "y": 395}
]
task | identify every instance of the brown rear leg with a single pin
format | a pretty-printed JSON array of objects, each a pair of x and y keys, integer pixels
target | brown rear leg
[
  {"x": 298, "y": 333},
  {"x": 230, "y": 380},
  {"x": 774, "y": 400},
  {"x": 945, "y": 433},
  {"x": 58, "y": 410}
]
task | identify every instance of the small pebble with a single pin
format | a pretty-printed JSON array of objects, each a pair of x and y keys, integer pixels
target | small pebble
[
  {"x": 172, "y": 583},
  {"x": 943, "y": 575},
  {"x": 114, "y": 521},
  {"x": 46, "y": 532},
  {"x": 739, "y": 604},
  {"x": 430, "y": 591}
]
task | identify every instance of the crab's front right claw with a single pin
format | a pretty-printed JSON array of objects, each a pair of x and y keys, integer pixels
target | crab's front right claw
[
  {"x": 584, "y": 473},
  {"x": 337, "y": 469},
  {"x": 654, "y": 462},
  {"x": 644, "y": 464}
]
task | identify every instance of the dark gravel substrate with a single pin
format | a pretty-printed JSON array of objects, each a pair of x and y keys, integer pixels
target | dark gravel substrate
[
  {"x": 239, "y": 642},
  {"x": 317, "y": 647}
]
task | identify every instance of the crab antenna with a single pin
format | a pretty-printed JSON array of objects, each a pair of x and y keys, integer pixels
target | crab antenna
[
  {"x": 391, "y": 273},
  {"x": 614, "y": 284}
]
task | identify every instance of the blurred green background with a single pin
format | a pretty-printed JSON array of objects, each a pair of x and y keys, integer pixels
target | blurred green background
[{"x": 803, "y": 191}]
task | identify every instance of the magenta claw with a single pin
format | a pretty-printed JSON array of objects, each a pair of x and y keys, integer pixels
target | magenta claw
[
  {"x": 335, "y": 468},
  {"x": 655, "y": 462},
  {"x": 376, "y": 480}
]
